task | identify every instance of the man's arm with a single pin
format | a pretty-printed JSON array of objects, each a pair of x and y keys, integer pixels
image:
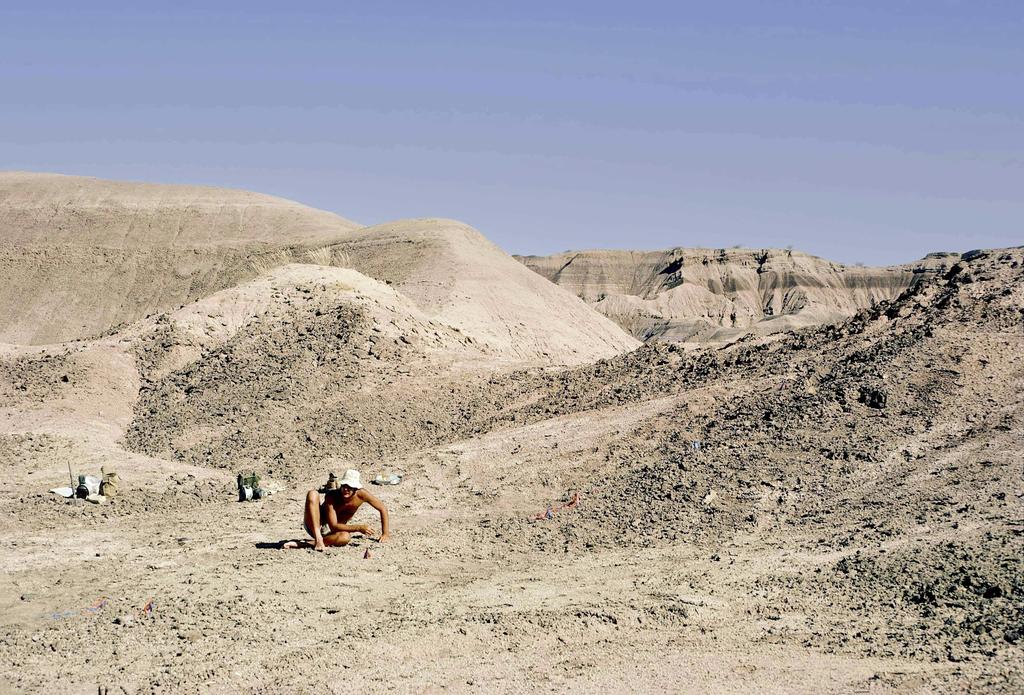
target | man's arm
[
  {"x": 385, "y": 526},
  {"x": 335, "y": 525}
]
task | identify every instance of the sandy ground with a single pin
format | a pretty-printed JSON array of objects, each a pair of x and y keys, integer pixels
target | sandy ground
[
  {"x": 447, "y": 606},
  {"x": 468, "y": 597}
]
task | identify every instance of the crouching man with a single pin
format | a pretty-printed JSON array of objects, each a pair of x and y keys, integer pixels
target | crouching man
[{"x": 327, "y": 522}]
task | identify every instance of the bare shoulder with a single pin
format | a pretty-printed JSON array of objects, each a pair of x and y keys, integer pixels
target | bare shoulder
[{"x": 365, "y": 495}]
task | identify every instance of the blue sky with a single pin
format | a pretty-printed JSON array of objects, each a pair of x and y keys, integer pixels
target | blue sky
[{"x": 864, "y": 132}]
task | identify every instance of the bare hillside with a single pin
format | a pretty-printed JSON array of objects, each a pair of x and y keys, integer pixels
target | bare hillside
[
  {"x": 89, "y": 212},
  {"x": 715, "y": 295},
  {"x": 84, "y": 256},
  {"x": 455, "y": 274},
  {"x": 81, "y": 255}
]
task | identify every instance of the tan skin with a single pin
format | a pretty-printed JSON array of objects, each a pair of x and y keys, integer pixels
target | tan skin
[{"x": 338, "y": 508}]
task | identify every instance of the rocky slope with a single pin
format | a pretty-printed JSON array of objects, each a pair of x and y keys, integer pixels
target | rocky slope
[
  {"x": 883, "y": 449},
  {"x": 316, "y": 361},
  {"x": 716, "y": 295}
]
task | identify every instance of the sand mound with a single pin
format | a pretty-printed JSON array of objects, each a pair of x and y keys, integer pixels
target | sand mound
[
  {"x": 455, "y": 274},
  {"x": 89, "y": 212},
  {"x": 711, "y": 295},
  {"x": 82, "y": 255},
  {"x": 305, "y": 363}
]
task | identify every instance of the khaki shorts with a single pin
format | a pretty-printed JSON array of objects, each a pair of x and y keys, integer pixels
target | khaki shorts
[{"x": 324, "y": 530}]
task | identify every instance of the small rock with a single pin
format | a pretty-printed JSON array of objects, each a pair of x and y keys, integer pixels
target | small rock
[{"x": 872, "y": 397}]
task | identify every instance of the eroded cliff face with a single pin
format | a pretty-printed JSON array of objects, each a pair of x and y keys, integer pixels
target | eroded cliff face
[{"x": 715, "y": 295}]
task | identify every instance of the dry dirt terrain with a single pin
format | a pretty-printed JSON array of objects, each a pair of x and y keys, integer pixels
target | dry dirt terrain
[{"x": 834, "y": 508}]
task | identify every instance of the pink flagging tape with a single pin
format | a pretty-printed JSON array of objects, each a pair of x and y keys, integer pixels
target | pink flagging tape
[
  {"x": 550, "y": 512},
  {"x": 98, "y": 605}
]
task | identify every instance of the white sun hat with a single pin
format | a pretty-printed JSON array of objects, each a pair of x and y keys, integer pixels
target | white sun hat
[{"x": 351, "y": 479}]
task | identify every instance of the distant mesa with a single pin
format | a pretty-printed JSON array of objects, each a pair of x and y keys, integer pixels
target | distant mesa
[{"x": 716, "y": 295}]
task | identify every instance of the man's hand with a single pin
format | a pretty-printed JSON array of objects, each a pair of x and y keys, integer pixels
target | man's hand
[
  {"x": 319, "y": 545},
  {"x": 363, "y": 529},
  {"x": 384, "y": 538}
]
